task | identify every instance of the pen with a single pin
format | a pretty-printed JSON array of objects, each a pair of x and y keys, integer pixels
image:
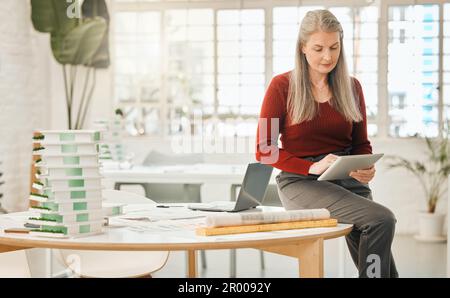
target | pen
[
  {"x": 165, "y": 206},
  {"x": 17, "y": 230}
]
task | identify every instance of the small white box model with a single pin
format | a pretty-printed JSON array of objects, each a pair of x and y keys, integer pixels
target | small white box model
[
  {"x": 68, "y": 171},
  {"x": 62, "y": 183},
  {"x": 65, "y": 149},
  {"x": 112, "y": 209},
  {"x": 66, "y": 196},
  {"x": 67, "y": 207},
  {"x": 67, "y": 218},
  {"x": 73, "y": 160},
  {"x": 68, "y": 230},
  {"x": 75, "y": 136}
]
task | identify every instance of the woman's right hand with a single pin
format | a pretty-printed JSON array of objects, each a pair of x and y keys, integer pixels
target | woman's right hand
[{"x": 319, "y": 167}]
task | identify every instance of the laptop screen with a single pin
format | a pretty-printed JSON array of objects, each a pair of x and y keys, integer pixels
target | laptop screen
[{"x": 254, "y": 186}]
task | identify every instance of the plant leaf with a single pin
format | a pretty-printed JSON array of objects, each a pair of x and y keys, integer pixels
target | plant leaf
[
  {"x": 420, "y": 167},
  {"x": 80, "y": 44},
  {"x": 445, "y": 171},
  {"x": 443, "y": 152},
  {"x": 51, "y": 16},
  {"x": 92, "y": 9},
  {"x": 431, "y": 149}
]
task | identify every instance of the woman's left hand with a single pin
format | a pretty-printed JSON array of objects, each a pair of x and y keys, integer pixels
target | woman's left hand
[{"x": 363, "y": 176}]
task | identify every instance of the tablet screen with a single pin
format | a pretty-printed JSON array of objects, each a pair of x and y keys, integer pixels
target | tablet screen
[{"x": 343, "y": 165}]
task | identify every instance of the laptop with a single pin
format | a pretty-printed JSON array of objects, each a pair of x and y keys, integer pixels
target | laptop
[{"x": 251, "y": 194}]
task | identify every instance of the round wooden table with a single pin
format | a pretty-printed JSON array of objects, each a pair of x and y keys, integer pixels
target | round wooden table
[{"x": 168, "y": 233}]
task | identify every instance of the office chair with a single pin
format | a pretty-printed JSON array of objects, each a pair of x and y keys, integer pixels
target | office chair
[{"x": 113, "y": 264}]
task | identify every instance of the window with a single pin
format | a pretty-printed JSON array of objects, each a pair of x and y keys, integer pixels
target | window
[
  {"x": 241, "y": 69},
  {"x": 175, "y": 61},
  {"x": 413, "y": 65},
  {"x": 190, "y": 79},
  {"x": 446, "y": 64},
  {"x": 364, "y": 62},
  {"x": 286, "y": 23},
  {"x": 137, "y": 69}
]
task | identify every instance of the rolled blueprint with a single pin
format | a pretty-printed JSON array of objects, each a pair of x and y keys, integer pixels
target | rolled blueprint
[{"x": 253, "y": 218}]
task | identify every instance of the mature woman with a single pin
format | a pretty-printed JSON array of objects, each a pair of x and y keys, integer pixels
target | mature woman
[{"x": 320, "y": 112}]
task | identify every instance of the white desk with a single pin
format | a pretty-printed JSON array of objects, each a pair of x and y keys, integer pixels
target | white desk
[
  {"x": 185, "y": 174},
  {"x": 306, "y": 245}
]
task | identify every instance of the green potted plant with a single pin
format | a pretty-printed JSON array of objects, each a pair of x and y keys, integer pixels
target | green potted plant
[
  {"x": 79, "y": 42},
  {"x": 432, "y": 176}
]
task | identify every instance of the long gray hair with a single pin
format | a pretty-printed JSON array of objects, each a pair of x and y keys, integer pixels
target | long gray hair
[{"x": 301, "y": 103}]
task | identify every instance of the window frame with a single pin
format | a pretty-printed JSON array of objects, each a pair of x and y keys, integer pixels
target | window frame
[{"x": 382, "y": 118}]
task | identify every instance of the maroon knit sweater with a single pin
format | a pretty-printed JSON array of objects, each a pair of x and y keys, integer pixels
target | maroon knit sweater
[{"x": 328, "y": 132}]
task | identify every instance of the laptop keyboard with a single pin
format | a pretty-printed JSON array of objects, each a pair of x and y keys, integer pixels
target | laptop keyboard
[{"x": 223, "y": 205}]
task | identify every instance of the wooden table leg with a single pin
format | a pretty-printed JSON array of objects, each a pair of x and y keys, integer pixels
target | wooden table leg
[
  {"x": 310, "y": 259},
  {"x": 192, "y": 263},
  {"x": 233, "y": 263},
  {"x": 309, "y": 254}
]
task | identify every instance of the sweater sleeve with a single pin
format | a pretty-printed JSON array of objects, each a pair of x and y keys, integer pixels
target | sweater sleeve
[
  {"x": 360, "y": 141},
  {"x": 271, "y": 119}
]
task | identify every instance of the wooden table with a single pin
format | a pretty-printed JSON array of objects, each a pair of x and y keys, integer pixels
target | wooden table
[{"x": 306, "y": 244}]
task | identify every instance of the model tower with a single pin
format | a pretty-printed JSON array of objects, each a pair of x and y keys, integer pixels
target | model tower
[{"x": 67, "y": 193}]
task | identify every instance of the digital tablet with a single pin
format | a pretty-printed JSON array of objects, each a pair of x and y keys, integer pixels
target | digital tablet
[{"x": 343, "y": 165}]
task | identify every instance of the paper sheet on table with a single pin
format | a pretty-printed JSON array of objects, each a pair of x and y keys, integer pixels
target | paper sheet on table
[
  {"x": 160, "y": 226},
  {"x": 152, "y": 215}
]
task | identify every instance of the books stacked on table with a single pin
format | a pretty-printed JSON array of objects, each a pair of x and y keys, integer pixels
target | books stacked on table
[
  {"x": 67, "y": 192},
  {"x": 111, "y": 148}
]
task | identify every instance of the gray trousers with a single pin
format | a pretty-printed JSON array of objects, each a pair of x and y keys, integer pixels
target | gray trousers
[{"x": 349, "y": 201}]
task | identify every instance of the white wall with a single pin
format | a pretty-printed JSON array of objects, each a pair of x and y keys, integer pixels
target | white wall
[
  {"x": 23, "y": 97},
  {"x": 400, "y": 190},
  {"x": 31, "y": 96}
]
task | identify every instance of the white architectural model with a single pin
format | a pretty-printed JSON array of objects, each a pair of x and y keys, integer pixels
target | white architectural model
[
  {"x": 67, "y": 191},
  {"x": 111, "y": 147}
]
